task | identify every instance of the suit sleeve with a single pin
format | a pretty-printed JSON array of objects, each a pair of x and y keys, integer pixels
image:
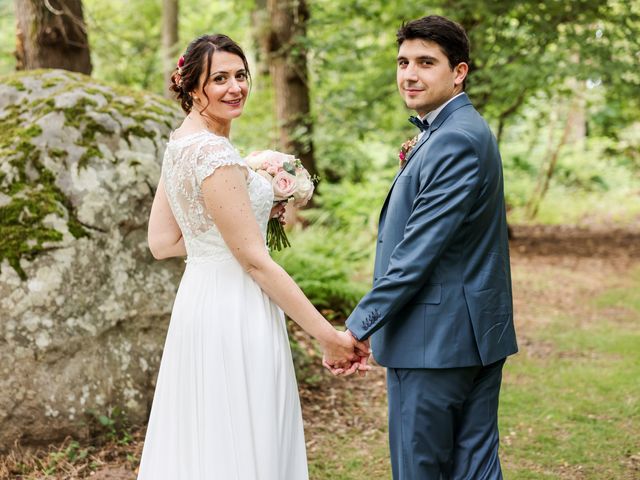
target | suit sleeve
[{"x": 444, "y": 200}]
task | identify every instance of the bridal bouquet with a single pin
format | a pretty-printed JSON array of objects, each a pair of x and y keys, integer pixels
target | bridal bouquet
[{"x": 291, "y": 183}]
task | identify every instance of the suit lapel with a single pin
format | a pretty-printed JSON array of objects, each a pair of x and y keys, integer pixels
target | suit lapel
[
  {"x": 451, "y": 107},
  {"x": 421, "y": 142}
]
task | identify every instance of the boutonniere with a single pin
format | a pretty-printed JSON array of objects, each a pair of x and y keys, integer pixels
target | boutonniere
[{"x": 405, "y": 149}]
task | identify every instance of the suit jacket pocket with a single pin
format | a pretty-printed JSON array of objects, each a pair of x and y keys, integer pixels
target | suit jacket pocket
[{"x": 431, "y": 294}]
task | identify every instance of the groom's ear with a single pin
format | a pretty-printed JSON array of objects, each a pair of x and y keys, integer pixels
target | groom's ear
[{"x": 461, "y": 70}]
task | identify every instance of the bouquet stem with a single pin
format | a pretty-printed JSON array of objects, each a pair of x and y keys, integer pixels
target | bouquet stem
[{"x": 276, "y": 236}]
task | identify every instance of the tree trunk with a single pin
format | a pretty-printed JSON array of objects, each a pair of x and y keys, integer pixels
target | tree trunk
[
  {"x": 577, "y": 116},
  {"x": 169, "y": 41},
  {"x": 260, "y": 33},
  {"x": 546, "y": 173},
  {"x": 288, "y": 65},
  {"x": 51, "y": 34}
]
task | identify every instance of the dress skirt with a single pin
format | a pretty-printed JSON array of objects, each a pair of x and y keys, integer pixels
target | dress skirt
[{"x": 226, "y": 405}]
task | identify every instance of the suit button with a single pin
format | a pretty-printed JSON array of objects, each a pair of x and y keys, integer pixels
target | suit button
[{"x": 380, "y": 241}]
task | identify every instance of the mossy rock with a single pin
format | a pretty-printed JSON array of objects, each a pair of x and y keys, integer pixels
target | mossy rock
[
  {"x": 53, "y": 124},
  {"x": 83, "y": 306}
]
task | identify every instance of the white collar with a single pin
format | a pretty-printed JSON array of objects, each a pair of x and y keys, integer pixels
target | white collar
[{"x": 431, "y": 116}]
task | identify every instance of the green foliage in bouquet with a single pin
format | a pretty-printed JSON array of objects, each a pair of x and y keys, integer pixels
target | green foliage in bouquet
[{"x": 276, "y": 236}]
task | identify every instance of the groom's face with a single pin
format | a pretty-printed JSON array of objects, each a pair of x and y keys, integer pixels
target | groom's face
[{"x": 425, "y": 79}]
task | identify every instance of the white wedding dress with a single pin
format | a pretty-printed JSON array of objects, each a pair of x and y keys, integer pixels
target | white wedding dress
[{"x": 226, "y": 404}]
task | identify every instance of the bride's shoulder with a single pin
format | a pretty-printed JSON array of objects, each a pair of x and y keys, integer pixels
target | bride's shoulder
[
  {"x": 212, "y": 143},
  {"x": 182, "y": 136},
  {"x": 199, "y": 142}
]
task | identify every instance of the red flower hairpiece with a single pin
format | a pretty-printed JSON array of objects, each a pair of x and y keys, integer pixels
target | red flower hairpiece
[{"x": 179, "y": 65}]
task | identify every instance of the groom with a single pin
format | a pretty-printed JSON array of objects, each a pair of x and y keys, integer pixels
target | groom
[{"x": 440, "y": 312}]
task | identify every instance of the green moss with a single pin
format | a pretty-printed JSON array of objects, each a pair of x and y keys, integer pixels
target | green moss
[
  {"x": 30, "y": 185},
  {"x": 139, "y": 131},
  {"x": 91, "y": 152},
  {"x": 50, "y": 82},
  {"x": 33, "y": 194},
  {"x": 60, "y": 155},
  {"x": 57, "y": 153},
  {"x": 17, "y": 85},
  {"x": 23, "y": 232},
  {"x": 75, "y": 115},
  {"x": 94, "y": 91},
  {"x": 32, "y": 131}
]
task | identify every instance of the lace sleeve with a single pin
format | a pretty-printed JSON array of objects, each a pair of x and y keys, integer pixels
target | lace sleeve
[{"x": 214, "y": 153}]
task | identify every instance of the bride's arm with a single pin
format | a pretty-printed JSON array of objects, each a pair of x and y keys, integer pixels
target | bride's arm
[
  {"x": 227, "y": 201},
  {"x": 164, "y": 235}
]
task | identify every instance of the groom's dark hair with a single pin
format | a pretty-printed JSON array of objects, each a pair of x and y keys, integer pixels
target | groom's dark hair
[{"x": 449, "y": 35}]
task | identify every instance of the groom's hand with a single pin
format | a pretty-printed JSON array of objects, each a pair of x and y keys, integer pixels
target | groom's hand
[
  {"x": 357, "y": 362},
  {"x": 360, "y": 366},
  {"x": 363, "y": 350}
]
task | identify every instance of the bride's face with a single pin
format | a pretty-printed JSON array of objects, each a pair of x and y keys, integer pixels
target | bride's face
[{"x": 226, "y": 87}]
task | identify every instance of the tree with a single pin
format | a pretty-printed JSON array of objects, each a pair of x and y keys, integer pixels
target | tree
[
  {"x": 169, "y": 40},
  {"x": 521, "y": 50},
  {"x": 51, "y": 34},
  {"x": 260, "y": 35},
  {"x": 288, "y": 66}
]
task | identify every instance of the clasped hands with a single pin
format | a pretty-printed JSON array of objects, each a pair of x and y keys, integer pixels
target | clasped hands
[{"x": 346, "y": 355}]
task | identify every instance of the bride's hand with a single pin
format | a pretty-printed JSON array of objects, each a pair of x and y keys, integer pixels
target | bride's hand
[
  {"x": 345, "y": 355},
  {"x": 277, "y": 211}
]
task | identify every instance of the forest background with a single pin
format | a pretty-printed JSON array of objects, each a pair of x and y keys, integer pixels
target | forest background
[{"x": 559, "y": 84}]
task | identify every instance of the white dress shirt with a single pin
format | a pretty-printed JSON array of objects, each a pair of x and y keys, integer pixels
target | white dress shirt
[{"x": 431, "y": 116}]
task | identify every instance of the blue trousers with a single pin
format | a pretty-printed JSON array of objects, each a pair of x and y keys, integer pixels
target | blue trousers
[{"x": 443, "y": 423}]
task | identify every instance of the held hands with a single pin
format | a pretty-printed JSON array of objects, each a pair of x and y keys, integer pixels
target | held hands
[{"x": 345, "y": 355}]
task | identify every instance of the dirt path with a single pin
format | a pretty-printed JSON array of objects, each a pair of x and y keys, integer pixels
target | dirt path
[{"x": 351, "y": 413}]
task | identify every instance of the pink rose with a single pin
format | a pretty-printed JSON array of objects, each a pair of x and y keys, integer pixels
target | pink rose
[
  {"x": 273, "y": 165},
  {"x": 268, "y": 160},
  {"x": 284, "y": 184}
]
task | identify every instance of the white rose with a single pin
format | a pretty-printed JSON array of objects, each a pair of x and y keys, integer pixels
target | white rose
[
  {"x": 304, "y": 188},
  {"x": 256, "y": 159}
]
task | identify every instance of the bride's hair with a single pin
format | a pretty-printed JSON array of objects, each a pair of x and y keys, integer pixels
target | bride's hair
[{"x": 197, "y": 59}]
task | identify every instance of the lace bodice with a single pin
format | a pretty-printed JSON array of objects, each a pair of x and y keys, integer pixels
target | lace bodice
[{"x": 187, "y": 162}]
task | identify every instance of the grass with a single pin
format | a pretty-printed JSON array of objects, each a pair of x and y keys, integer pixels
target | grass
[
  {"x": 570, "y": 416},
  {"x": 575, "y": 412},
  {"x": 349, "y": 463}
]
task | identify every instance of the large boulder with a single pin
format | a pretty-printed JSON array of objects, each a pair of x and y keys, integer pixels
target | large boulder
[{"x": 83, "y": 305}]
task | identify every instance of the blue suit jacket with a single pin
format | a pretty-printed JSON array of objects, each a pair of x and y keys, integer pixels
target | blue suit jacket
[{"x": 441, "y": 295}]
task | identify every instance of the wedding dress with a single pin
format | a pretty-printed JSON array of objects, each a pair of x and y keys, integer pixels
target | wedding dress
[{"x": 226, "y": 404}]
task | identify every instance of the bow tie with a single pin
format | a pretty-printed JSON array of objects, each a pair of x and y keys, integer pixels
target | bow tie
[{"x": 422, "y": 125}]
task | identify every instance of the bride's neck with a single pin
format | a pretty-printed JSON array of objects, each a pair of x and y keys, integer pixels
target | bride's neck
[{"x": 213, "y": 125}]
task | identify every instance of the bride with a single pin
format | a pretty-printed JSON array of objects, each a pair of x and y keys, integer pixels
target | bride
[{"x": 226, "y": 404}]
